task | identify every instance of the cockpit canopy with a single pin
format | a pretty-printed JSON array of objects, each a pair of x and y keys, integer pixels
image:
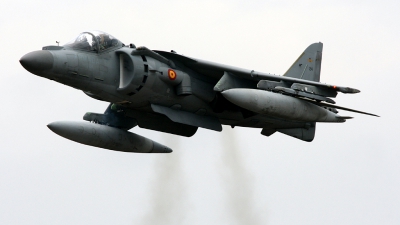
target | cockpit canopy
[{"x": 94, "y": 41}]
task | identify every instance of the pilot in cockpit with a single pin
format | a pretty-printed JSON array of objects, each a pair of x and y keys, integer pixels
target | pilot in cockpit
[
  {"x": 104, "y": 41},
  {"x": 94, "y": 41}
]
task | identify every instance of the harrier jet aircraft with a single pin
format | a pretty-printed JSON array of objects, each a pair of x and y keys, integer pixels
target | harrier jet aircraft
[{"x": 168, "y": 92}]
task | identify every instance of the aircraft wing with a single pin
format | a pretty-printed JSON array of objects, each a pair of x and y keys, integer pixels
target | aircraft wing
[{"x": 216, "y": 71}]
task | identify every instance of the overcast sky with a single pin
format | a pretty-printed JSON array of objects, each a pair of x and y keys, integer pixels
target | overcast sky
[{"x": 349, "y": 174}]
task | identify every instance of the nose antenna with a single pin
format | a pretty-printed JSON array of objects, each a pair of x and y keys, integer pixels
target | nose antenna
[{"x": 58, "y": 43}]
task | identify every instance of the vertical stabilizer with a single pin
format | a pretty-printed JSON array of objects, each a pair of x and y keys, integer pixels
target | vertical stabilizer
[{"x": 308, "y": 65}]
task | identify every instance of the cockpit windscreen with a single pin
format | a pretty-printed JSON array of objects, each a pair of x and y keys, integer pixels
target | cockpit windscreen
[{"x": 93, "y": 41}]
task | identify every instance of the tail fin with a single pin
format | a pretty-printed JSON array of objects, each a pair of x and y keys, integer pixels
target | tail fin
[{"x": 308, "y": 65}]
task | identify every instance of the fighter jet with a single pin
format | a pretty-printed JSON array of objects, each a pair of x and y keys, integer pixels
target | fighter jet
[{"x": 168, "y": 92}]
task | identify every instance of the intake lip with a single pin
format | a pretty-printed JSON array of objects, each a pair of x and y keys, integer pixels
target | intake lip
[{"x": 37, "y": 61}]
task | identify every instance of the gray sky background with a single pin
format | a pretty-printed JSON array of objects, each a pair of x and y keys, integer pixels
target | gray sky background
[{"x": 348, "y": 175}]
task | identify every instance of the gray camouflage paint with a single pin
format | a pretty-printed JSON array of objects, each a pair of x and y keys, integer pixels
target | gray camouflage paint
[{"x": 168, "y": 92}]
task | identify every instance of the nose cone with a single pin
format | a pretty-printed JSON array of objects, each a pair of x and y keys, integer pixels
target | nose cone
[{"x": 37, "y": 61}]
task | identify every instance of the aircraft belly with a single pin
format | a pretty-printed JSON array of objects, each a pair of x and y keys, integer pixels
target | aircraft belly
[
  {"x": 208, "y": 122},
  {"x": 264, "y": 121}
]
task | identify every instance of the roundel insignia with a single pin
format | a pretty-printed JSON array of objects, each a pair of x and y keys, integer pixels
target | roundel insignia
[{"x": 171, "y": 74}]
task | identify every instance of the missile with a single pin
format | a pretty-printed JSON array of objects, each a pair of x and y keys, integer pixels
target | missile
[
  {"x": 103, "y": 136},
  {"x": 278, "y": 105}
]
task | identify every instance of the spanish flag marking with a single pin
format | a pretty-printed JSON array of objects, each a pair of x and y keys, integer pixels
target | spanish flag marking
[{"x": 171, "y": 74}]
